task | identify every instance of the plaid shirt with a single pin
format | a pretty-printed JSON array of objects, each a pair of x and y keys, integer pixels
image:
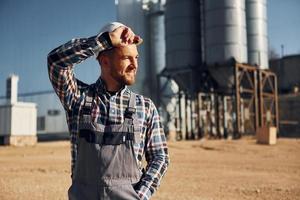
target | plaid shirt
[{"x": 107, "y": 108}]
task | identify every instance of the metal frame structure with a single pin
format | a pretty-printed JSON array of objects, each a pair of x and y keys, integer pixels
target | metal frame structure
[
  {"x": 268, "y": 99},
  {"x": 254, "y": 98},
  {"x": 259, "y": 87},
  {"x": 246, "y": 98}
]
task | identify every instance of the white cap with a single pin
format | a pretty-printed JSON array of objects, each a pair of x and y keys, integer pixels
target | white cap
[{"x": 110, "y": 27}]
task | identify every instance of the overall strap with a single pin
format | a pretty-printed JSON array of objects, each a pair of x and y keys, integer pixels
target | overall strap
[
  {"x": 129, "y": 131},
  {"x": 107, "y": 138},
  {"x": 130, "y": 110},
  {"x": 86, "y": 109},
  {"x": 130, "y": 116},
  {"x": 132, "y": 100}
]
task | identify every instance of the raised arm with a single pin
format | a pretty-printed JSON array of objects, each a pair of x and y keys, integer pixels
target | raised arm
[
  {"x": 62, "y": 59},
  {"x": 157, "y": 157}
]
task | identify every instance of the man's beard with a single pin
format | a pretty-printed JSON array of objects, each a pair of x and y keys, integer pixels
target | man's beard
[{"x": 123, "y": 79}]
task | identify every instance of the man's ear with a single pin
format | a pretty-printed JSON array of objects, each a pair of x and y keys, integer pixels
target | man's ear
[{"x": 103, "y": 60}]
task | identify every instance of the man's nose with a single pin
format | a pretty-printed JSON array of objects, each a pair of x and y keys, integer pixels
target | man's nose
[{"x": 134, "y": 63}]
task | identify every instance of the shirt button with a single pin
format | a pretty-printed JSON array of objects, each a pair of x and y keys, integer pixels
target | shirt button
[{"x": 113, "y": 110}]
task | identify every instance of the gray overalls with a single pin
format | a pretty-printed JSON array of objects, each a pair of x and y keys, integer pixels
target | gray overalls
[{"x": 106, "y": 166}]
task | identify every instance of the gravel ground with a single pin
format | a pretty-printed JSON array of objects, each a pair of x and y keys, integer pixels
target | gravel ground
[{"x": 199, "y": 170}]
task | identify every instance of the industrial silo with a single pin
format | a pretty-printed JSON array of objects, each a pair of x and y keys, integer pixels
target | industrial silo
[
  {"x": 156, "y": 47},
  {"x": 131, "y": 13},
  {"x": 183, "y": 56},
  {"x": 146, "y": 18},
  {"x": 256, "y": 15},
  {"x": 183, "y": 41},
  {"x": 225, "y": 31}
]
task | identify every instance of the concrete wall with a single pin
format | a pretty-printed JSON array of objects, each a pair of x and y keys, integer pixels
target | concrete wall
[
  {"x": 18, "y": 124},
  {"x": 18, "y": 119}
]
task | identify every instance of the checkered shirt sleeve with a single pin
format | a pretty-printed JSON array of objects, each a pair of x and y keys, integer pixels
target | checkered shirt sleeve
[
  {"x": 157, "y": 157},
  {"x": 60, "y": 66}
]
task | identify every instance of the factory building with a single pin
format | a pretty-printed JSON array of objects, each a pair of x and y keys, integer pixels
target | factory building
[
  {"x": 288, "y": 73},
  {"x": 209, "y": 62},
  {"x": 17, "y": 119}
]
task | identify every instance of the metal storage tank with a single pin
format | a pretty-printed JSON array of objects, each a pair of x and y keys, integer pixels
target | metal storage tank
[
  {"x": 156, "y": 46},
  {"x": 131, "y": 13},
  {"x": 146, "y": 18},
  {"x": 256, "y": 15},
  {"x": 225, "y": 31},
  {"x": 183, "y": 39}
]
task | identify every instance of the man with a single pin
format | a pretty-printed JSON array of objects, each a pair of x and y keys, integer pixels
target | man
[{"x": 111, "y": 127}]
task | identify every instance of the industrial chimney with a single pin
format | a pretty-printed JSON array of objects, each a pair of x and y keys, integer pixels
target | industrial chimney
[{"x": 12, "y": 89}]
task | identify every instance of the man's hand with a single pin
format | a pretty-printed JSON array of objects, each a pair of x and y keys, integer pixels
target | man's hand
[{"x": 123, "y": 36}]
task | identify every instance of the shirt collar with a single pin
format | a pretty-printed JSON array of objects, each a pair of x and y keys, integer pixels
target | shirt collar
[{"x": 101, "y": 88}]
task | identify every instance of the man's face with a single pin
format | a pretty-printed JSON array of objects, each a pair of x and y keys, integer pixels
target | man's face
[{"x": 123, "y": 64}]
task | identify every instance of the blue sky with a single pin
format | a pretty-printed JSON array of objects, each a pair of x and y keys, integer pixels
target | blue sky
[
  {"x": 30, "y": 29},
  {"x": 284, "y": 25}
]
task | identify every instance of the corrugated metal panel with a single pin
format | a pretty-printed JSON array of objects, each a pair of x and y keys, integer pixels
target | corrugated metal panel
[
  {"x": 256, "y": 13},
  {"x": 225, "y": 31}
]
